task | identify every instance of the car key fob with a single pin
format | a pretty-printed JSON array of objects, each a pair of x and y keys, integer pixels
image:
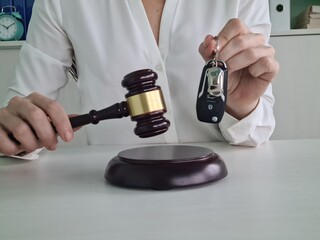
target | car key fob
[{"x": 212, "y": 93}]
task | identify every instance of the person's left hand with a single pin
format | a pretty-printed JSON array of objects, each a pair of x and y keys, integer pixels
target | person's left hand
[{"x": 251, "y": 65}]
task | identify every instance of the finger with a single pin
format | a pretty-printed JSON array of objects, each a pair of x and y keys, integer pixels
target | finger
[
  {"x": 31, "y": 128},
  {"x": 56, "y": 114},
  {"x": 7, "y": 146},
  {"x": 265, "y": 68},
  {"x": 22, "y": 136},
  {"x": 208, "y": 47},
  {"x": 248, "y": 57},
  {"x": 232, "y": 29},
  {"x": 241, "y": 43}
]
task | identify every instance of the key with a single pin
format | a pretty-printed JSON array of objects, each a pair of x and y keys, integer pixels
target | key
[{"x": 212, "y": 93}]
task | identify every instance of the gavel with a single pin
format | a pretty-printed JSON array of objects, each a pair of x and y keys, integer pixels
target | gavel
[{"x": 144, "y": 103}]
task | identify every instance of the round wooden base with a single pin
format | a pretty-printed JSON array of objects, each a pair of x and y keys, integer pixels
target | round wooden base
[{"x": 165, "y": 167}]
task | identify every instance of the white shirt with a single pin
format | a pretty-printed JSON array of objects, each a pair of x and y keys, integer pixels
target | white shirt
[{"x": 111, "y": 38}]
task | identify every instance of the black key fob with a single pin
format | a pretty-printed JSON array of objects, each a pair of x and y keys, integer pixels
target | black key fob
[{"x": 212, "y": 93}]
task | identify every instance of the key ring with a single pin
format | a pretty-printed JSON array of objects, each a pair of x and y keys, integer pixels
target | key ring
[{"x": 217, "y": 50}]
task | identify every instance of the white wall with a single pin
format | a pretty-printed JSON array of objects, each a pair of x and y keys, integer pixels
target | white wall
[
  {"x": 297, "y": 87},
  {"x": 8, "y": 61}
]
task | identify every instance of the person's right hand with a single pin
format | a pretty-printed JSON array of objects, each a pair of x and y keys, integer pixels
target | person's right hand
[{"x": 31, "y": 120}]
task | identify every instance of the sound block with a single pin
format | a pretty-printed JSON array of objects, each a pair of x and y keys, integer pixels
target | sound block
[{"x": 165, "y": 167}]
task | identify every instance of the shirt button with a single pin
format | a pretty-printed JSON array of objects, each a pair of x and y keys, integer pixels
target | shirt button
[{"x": 159, "y": 67}]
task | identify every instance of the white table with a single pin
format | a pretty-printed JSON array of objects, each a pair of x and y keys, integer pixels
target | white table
[{"x": 271, "y": 192}]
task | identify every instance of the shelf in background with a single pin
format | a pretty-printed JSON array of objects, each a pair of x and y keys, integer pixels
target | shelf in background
[
  {"x": 296, "y": 32},
  {"x": 10, "y": 45},
  {"x": 292, "y": 32}
]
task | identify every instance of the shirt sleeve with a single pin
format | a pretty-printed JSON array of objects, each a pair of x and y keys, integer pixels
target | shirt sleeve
[
  {"x": 46, "y": 55},
  {"x": 258, "y": 126},
  {"x": 254, "y": 129}
]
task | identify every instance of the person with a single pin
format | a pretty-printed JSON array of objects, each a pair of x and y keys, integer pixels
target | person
[{"x": 109, "y": 39}]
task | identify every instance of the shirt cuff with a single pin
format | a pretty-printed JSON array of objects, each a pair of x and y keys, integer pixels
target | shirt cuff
[
  {"x": 29, "y": 156},
  {"x": 252, "y": 130}
]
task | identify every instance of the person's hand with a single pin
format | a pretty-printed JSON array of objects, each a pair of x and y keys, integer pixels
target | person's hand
[
  {"x": 30, "y": 120},
  {"x": 251, "y": 65}
]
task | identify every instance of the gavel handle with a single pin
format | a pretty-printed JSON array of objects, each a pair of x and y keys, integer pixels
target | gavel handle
[{"x": 117, "y": 110}]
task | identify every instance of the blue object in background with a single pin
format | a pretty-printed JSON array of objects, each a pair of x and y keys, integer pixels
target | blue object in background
[{"x": 24, "y": 7}]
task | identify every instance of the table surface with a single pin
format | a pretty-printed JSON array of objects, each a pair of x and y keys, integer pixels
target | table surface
[{"x": 271, "y": 192}]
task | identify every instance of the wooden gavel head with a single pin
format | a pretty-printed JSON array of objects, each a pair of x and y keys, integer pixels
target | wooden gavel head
[{"x": 145, "y": 103}]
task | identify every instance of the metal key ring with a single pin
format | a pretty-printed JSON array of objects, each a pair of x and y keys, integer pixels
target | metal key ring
[{"x": 217, "y": 50}]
